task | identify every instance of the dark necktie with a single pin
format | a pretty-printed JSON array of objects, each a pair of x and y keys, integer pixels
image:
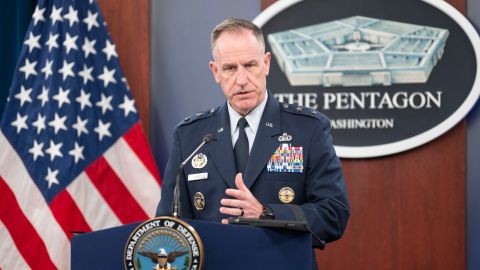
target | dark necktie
[{"x": 241, "y": 146}]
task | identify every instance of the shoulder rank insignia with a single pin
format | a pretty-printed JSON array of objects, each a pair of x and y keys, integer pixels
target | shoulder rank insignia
[
  {"x": 199, "y": 161},
  {"x": 286, "y": 158},
  {"x": 197, "y": 116},
  {"x": 295, "y": 109}
]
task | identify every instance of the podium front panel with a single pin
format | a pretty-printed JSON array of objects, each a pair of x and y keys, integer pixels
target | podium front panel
[{"x": 225, "y": 247}]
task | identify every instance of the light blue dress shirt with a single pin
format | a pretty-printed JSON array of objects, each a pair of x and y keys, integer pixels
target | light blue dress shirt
[{"x": 253, "y": 119}]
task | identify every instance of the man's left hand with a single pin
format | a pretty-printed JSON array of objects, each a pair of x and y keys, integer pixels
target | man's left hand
[{"x": 244, "y": 204}]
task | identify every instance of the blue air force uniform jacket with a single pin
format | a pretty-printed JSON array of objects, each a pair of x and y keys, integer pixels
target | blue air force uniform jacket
[{"x": 292, "y": 151}]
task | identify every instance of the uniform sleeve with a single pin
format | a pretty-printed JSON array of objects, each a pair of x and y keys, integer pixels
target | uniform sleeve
[
  {"x": 164, "y": 207},
  {"x": 326, "y": 209}
]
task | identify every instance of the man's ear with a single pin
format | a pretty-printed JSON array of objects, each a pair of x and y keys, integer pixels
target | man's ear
[
  {"x": 266, "y": 60},
  {"x": 214, "y": 69}
]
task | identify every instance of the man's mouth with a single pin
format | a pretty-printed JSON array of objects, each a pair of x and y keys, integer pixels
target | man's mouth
[{"x": 242, "y": 93}]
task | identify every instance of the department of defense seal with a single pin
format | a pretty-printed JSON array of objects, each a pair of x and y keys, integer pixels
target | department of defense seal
[{"x": 164, "y": 243}]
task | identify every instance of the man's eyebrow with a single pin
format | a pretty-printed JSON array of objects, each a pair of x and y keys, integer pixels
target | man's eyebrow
[{"x": 229, "y": 65}]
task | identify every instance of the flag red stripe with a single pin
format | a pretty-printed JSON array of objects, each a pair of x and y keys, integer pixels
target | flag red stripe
[
  {"x": 68, "y": 215},
  {"x": 26, "y": 238},
  {"x": 114, "y": 192},
  {"x": 137, "y": 141}
]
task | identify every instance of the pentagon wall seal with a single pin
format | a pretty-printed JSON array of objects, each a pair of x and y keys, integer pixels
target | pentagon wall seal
[{"x": 163, "y": 243}]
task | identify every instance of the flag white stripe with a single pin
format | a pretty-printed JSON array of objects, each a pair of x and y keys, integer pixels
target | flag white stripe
[
  {"x": 10, "y": 257},
  {"x": 135, "y": 176},
  {"x": 92, "y": 205},
  {"x": 34, "y": 205}
]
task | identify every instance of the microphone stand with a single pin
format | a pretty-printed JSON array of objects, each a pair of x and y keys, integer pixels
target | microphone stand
[{"x": 176, "y": 210}]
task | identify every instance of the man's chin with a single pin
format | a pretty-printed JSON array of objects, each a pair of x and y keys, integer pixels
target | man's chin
[{"x": 244, "y": 110}]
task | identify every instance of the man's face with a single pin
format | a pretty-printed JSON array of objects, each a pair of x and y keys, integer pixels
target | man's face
[{"x": 241, "y": 67}]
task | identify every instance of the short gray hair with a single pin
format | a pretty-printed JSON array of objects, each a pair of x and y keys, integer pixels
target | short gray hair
[{"x": 236, "y": 25}]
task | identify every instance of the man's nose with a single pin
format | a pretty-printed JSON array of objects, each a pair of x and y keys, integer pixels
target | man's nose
[{"x": 242, "y": 76}]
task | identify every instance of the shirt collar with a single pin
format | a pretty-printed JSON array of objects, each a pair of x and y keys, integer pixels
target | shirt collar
[{"x": 253, "y": 118}]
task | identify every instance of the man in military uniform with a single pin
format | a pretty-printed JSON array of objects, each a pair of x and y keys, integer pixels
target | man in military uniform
[{"x": 266, "y": 159}]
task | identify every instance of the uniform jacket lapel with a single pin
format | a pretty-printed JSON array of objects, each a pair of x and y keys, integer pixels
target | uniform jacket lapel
[
  {"x": 265, "y": 141},
  {"x": 221, "y": 149}
]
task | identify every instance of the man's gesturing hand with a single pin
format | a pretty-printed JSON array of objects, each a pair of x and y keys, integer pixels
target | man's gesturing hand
[{"x": 244, "y": 203}]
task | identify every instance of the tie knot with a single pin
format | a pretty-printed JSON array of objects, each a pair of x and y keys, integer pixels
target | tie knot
[{"x": 242, "y": 122}]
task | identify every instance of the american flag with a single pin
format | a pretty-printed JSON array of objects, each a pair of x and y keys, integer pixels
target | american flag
[{"x": 73, "y": 156}]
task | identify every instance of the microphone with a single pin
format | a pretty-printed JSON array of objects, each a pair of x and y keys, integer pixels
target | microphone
[{"x": 176, "y": 193}]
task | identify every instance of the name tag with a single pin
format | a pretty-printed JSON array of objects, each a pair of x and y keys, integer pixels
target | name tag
[{"x": 197, "y": 176}]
